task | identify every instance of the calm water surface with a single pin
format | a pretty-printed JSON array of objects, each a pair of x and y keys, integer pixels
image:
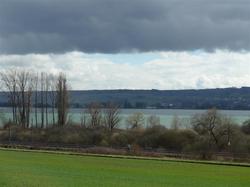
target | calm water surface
[{"x": 166, "y": 115}]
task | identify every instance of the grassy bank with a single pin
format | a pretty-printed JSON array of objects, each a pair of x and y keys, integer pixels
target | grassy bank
[{"x": 20, "y": 168}]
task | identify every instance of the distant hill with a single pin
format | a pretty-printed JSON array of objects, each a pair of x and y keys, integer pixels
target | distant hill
[{"x": 226, "y": 98}]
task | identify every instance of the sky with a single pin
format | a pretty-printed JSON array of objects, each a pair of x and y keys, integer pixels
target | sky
[{"x": 130, "y": 44}]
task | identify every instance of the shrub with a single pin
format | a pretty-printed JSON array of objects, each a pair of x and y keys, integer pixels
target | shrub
[
  {"x": 124, "y": 137},
  {"x": 245, "y": 128},
  {"x": 171, "y": 140},
  {"x": 187, "y": 138},
  {"x": 150, "y": 137}
]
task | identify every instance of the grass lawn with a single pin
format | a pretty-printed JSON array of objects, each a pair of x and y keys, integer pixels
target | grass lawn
[{"x": 26, "y": 169}]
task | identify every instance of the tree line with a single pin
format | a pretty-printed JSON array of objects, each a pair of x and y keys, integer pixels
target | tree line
[
  {"x": 47, "y": 96},
  {"x": 48, "y": 90}
]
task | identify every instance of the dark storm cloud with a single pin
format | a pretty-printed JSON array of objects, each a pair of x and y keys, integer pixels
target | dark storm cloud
[{"x": 111, "y": 26}]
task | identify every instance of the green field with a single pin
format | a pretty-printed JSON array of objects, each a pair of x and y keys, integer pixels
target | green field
[{"x": 26, "y": 169}]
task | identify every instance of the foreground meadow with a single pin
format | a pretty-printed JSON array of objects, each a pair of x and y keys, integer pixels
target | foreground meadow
[{"x": 52, "y": 170}]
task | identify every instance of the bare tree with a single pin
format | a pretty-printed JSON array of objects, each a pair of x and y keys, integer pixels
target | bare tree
[
  {"x": 19, "y": 85},
  {"x": 47, "y": 86},
  {"x": 9, "y": 82},
  {"x": 136, "y": 120},
  {"x": 214, "y": 126},
  {"x": 42, "y": 99},
  {"x": 111, "y": 116},
  {"x": 84, "y": 118},
  {"x": 94, "y": 110},
  {"x": 153, "y": 120},
  {"x": 176, "y": 123},
  {"x": 25, "y": 86},
  {"x": 52, "y": 95},
  {"x": 29, "y": 93},
  {"x": 36, "y": 80},
  {"x": 62, "y": 99}
]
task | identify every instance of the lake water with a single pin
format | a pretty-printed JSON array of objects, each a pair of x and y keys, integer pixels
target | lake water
[{"x": 166, "y": 115}]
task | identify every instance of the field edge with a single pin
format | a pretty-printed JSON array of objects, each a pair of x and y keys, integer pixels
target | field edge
[{"x": 167, "y": 159}]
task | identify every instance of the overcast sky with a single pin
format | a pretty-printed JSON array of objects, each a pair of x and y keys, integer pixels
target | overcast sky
[{"x": 138, "y": 44}]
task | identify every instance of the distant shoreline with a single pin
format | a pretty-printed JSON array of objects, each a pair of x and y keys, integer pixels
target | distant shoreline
[{"x": 191, "y": 99}]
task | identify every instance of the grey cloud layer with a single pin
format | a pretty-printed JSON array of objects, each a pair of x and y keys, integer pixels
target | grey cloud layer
[{"x": 110, "y": 26}]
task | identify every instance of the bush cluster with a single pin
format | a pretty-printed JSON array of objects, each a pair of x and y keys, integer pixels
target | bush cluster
[{"x": 208, "y": 133}]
